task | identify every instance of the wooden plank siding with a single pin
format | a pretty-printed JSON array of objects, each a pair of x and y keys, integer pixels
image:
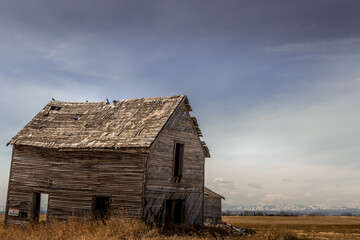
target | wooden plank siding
[
  {"x": 212, "y": 208},
  {"x": 72, "y": 178},
  {"x": 161, "y": 185}
]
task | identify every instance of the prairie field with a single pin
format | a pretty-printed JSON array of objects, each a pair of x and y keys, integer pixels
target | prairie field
[
  {"x": 304, "y": 227},
  {"x": 113, "y": 229},
  {"x": 268, "y": 228}
]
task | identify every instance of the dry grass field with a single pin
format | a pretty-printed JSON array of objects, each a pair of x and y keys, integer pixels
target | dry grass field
[
  {"x": 268, "y": 228},
  {"x": 114, "y": 229},
  {"x": 305, "y": 227}
]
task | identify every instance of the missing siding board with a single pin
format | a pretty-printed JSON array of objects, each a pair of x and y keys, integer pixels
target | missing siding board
[{"x": 178, "y": 161}]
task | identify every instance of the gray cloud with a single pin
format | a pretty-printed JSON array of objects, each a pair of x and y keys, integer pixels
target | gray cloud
[
  {"x": 220, "y": 184},
  {"x": 328, "y": 47},
  {"x": 288, "y": 180},
  {"x": 254, "y": 185},
  {"x": 276, "y": 197},
  {"x": 310, "y": 135}
]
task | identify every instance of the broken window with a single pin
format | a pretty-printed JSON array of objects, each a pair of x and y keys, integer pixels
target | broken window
[{"x": 178, "y": 159}]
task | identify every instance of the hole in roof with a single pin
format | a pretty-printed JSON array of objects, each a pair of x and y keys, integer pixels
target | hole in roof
[
  {"x": 77, "y": 118},
  {"x": 53, "y": 108}
]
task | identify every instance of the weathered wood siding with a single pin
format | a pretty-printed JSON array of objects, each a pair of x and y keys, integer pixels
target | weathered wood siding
[
  {"x": 160, "y": 183},
  {"x": 72, "y": 178},
  {"x": 212, "y": 208}
]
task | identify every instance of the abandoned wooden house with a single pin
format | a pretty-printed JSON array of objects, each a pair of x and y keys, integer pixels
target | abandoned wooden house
[
  {"x": 139, "y": 158},
  {"x": 212, "y": 205}
]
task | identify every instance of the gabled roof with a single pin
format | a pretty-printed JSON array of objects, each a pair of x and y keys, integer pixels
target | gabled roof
[
  {"x": 124, "y": 124},
  {"x": 210, "y": 193}
]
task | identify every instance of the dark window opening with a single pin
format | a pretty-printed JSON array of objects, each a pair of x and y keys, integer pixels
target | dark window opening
[
  {"x": 53, "y": 108},
  {"x": 23, "y": 215},
  {"x": 178, "y": 159},
  {"x": 101, "y": 207},
  {"x": 40, "y": 207},
  {"x": 175, "y": 211}
]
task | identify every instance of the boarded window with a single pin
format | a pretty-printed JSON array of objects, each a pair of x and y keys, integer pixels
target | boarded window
[{"x": 178, "y": 159}]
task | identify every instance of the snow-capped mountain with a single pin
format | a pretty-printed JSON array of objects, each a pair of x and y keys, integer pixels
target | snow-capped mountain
[{"x": 291, "y": 208}]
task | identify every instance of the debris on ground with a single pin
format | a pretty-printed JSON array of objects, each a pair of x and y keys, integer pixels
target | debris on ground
[{"x": 230, "y": 228}]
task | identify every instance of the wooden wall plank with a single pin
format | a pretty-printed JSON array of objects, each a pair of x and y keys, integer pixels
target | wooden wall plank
[
  {"x": 72, "y": 178},
  {"x": 212, "y": 207}
]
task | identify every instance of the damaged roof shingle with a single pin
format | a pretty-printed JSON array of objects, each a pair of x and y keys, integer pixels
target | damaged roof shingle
[{"x": 124, "y": 124}]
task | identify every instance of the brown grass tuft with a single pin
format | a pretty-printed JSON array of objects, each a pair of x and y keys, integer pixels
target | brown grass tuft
[{"x": 282, "y": 234}]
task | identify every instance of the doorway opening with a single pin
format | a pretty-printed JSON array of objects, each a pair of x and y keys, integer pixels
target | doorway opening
[
  {"x": 175, "y": 211},
  {"x": 101, "y": 207},
  {"x": 40, "y": 207}
]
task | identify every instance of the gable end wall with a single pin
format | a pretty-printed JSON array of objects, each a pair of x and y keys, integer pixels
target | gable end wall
[{"x": 161, "y": 185}]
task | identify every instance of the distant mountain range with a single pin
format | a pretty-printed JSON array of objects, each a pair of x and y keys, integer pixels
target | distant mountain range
[
  {"x": 291, "y": 208},
  {"x": 294, "y": 208}
]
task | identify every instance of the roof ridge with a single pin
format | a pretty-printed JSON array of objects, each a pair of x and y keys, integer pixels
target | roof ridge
[
  {"x": 211, "y": 192},
  {"x": 121, "y": 100}
]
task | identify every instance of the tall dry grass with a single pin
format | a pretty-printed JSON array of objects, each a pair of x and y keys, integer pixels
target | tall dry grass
[
  {"x": 124, "y": 229},
  {"x": 113, "y": 229}
]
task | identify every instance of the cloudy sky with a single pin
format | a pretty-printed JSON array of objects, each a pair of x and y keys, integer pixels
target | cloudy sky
[{"x": 275, "y": 85}]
